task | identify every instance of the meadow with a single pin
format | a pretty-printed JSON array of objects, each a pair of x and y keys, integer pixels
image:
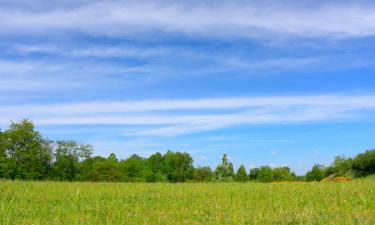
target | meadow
[{"x": 188, "y": 203}]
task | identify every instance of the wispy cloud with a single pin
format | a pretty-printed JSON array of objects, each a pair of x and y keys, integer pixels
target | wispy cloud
[
  {"x": 93, "y": 51},
  {"x": 180, "y": 117},
  {"x": 340, "y": 102},
  {"x": 238, "y": 18}
]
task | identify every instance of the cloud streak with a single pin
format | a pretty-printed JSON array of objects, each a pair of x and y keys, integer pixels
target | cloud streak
[
  {"x": 184, "y": 116},
  {"x": 236, "y": 19}
]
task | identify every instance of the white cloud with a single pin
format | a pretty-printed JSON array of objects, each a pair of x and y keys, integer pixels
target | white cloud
[
  {"x": 258, "y": 104},
  {"x": 317, "y": 152},
  {"x": 239, "y": 18},
  {"x": 273, "y": 152},
  {"x": 184, "y": 116},
  {"x": 202, "y": 158},
  {"x": 94, "y": 51}
]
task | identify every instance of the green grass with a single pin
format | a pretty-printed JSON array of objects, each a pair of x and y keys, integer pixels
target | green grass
[
  {"x": 369, "y": 178},
  {"x": 212, "y": 203}
]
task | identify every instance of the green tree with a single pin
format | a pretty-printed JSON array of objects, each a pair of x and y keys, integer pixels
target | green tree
[
  {"x": 112, "y": 157},
  {"x": 341, "y": 166},
  {"x": 203, "y": 174},
  {"x": 88, "y": 168},
  {"x": 3, "y": 157},
  {"x": 224, "y": 171},
  {"x": 28, "y": 155},
  {"x": 265, "y": 174},
  {"x": 253, "y": 174},
  {"x": 241, "y": 175},
  {"x": 178, "y": 166},
  {"x": 316, "y": 173},
  {"x": 135, "y": 169},
  {"x": 156, "y": 163},
  {"x": 69, "y": 155},
  {"x": 283, "y": 174},
  {"x": 364, "y": 163},
  {"x": 101, "y": 169}
]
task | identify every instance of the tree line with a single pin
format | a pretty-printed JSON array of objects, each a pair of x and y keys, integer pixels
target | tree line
[{"x": 26, "y": 155}]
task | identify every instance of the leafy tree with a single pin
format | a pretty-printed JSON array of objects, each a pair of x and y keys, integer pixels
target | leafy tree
[
  {"x": 156, "y": 163},
  {"x": 265, "y": 174},
  {"x": 69, "y": 154},
  {"x": 178, "y": 166},
  {"x": 341, "y": 166},
  {"x": 2, "y": 156},
  {"x": 135, "y": 168},
  {"x": 28, "y": 155},
  {"x": 231, "y": 170},
  {"x": 316, "y": 173},
  {"x": 101, "y": 169},
  {"x": 253, "y": 174},
  {"x": 203, "y": 174},
  {"x": 112, "y": 157},
  {"x": 88, "y": 168},
  {"x": 241, "y": 175},
  {"x": 283, "y": 174},
  {"x": 224, "y": 171},
  {"x": 364, "y": 163}
]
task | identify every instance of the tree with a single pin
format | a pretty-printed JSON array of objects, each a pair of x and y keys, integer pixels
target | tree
[
  {"x": 364, "y": 163},
  {"x": 2, "y": 156},
  {"x": 283, "y": 174},
  {"x": 69, "y": 154},
  {"x": 135, "y": 168},
  {"x": 112, "y": 157},
  {"x": 203, "y": 174},
  {"x": 224, "y": 171},
  {"x": 316, "y": 173},
  {"x": 178, "y": 166},
  {"x": 341, "y": 166},
  {"x": 241, "y": 175},
  {"x": 28, "y": 155},
  {"x": 231, "y": 170},
  {"x": 156, "y": 164},
  {"x": 253, "y": 174},
  {"x": 265, "y": 174},
  {"x": 101, "y": 169}
]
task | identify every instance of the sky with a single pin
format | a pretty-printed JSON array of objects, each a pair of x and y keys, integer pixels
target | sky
[{"x": 278, "y": 83}]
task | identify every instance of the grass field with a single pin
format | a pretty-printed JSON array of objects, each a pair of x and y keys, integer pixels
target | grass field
[{"x": 212, "y": 203}]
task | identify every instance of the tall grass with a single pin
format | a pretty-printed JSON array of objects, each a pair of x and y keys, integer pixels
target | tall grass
[{"x": 193, "y": 203}]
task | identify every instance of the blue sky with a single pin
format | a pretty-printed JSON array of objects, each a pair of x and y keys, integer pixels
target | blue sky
[{"x": 268, "y": 82}]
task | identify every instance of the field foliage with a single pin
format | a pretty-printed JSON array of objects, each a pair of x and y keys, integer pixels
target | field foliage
[{"x": 350, "y": 202}]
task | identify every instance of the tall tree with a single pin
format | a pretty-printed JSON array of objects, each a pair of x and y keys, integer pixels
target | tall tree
[
  {"x": 224, "y": 171},
  {"x": 178, "y": 166},
  {"x": 69, "y": 154},
  {"x": 28, "y": 155},
  {"x": 203, "y": 174},
  {"x": 283, "y": 174},
  {"x": 253, "y": 174},
  {"x": 364, "y": 163},
  {"x": 265, "y": 174},
  {"x": 316, "y": 173},
  {"x": 241, "y": 175},
  {"x": 156, "y": 163},
  {"x": 2, "y": 155},
  {"x": 341, "y": 166},
  {"x": 135, "y": 168}
]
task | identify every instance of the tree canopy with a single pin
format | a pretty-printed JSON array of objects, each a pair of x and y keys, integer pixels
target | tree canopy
[{"x": 26, "y": 155}]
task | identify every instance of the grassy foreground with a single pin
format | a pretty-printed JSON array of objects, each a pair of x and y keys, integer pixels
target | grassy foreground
[{"x": 211, "y": 203}]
